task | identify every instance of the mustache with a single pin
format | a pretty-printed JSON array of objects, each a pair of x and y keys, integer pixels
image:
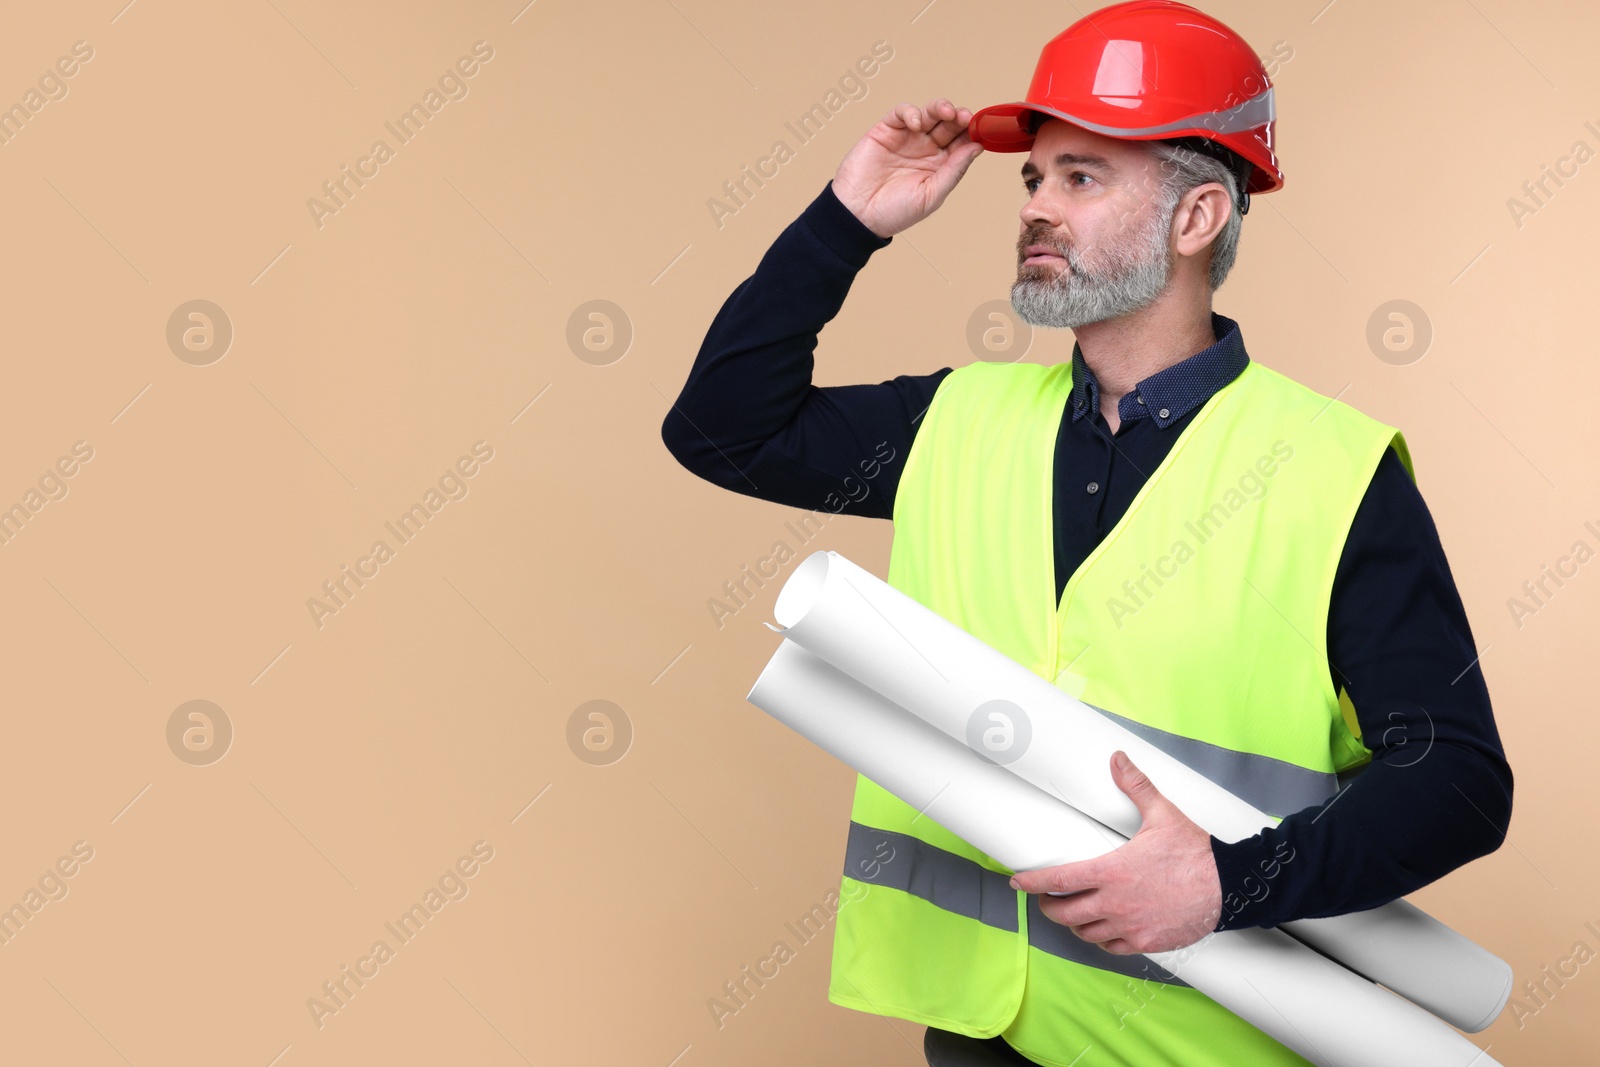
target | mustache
[
  {"x": 1072, "y": 253},
  {"x": 1044, "y": 241}
]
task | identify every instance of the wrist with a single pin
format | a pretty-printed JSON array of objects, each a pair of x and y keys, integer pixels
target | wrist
[
  {"x": 845, "y": 193},
  {"x": 1246, "y": 874},
  {"x": 840, "y": 228}
]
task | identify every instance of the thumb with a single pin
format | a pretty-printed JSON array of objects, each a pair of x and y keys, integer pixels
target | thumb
[
  {"x": 959, "y": 159},
  {"x": 1138, "y": 786},
  {"x": 967, "y": 153},
  {"x": 959, "y": 155}
]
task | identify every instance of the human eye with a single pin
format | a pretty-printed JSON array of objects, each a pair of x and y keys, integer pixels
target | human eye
[{"x": 1029, "y": 184}]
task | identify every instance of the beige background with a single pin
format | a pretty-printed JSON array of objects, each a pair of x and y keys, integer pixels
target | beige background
[{"x": 432, "y": 309}]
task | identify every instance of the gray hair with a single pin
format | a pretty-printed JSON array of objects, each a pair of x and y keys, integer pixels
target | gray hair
[{"x": 1181, "y": 170}]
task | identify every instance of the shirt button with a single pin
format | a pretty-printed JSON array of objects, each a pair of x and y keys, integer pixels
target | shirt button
[
  {"x": 1094, "y": 487},
  {"x": 1140, "y": 399},
  {"x": 1163, "y": 413}
]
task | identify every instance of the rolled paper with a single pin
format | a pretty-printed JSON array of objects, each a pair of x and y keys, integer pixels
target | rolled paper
[
  {"x": 923, "y": 662},
  {"x": 1321, "y": 1010}
]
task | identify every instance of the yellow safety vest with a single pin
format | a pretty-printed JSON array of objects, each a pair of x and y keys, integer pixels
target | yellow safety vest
[{"x": 1200, "y": 622}]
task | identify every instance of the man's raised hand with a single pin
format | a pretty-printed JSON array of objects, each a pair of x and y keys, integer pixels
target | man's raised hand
[{"x": 902, "y": 169}]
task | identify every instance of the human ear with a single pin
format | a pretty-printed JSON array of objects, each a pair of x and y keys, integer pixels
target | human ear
[{"x": 1200, "y": 217}]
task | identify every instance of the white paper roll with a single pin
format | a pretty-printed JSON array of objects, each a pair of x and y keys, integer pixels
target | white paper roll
[
  {"x": 1319, "y": 1009},
  {"x": 921, "y": 661}
]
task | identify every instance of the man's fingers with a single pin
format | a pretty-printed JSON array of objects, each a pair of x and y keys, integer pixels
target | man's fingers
[
  {"x": 944, "y": 121},
  {"x": 1079, "y": 910},
  {"x": 946, "y": 132},
  {"x": 1060, "y": 879},
  {"x": 1039, "y": 881},
  {"x": 1095, "y": 932},
  {"x": 1091, "y": 927},
  {"x": 941, "y": 120},
  {"x": 911, "y": 117}
]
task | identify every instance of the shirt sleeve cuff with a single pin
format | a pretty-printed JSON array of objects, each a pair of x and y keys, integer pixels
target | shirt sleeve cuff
[
  {"x": 1241, "y": 869},
  {"x": 840, "y": 230}
]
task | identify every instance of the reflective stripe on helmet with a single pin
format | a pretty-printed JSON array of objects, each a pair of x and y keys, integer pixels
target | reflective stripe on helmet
[{"x": 1256, "y": 111}]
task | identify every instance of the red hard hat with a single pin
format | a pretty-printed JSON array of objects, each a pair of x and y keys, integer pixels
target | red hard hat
[{"x": 1148, "y": 70}]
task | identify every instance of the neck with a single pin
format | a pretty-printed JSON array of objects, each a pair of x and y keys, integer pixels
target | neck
[{"x": 1123, "y": 352}]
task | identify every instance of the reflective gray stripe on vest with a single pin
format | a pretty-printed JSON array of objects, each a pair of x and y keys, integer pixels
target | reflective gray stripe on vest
[
  {"x": 1276, "y": 787},
  {"x": 966, "y": 888},
  {"x": 943, "y": 878}
]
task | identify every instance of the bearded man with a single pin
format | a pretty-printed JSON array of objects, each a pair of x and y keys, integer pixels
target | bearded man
[{"x": 1214, "y": 555}]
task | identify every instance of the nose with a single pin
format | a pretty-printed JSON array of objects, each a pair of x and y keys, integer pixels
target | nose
[{"x": 1039, "y": 211}]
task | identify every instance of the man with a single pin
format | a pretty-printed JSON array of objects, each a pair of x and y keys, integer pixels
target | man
[{"x": 1243, "y": 570}]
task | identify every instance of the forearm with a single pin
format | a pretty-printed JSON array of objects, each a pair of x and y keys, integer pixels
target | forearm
[
  {"x": 754, "y": 367},
  {"x": 1394, "y": 828},
  {"x": 749, "y": 418},
  {"x": 1438, "y": 790}
]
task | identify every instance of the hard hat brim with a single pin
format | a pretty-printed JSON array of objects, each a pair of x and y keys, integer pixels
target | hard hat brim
[{"x": 1003, "y": 128}]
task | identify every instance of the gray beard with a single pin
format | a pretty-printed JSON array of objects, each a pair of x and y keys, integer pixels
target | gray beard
[{"x": 1129, "y": 276}]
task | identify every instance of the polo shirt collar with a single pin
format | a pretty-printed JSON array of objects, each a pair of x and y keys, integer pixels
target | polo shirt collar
[{"x": 1172, "y": 392}]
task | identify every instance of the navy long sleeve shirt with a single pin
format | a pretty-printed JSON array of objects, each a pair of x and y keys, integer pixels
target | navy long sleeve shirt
[{"x": 1437, "y": 792}]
